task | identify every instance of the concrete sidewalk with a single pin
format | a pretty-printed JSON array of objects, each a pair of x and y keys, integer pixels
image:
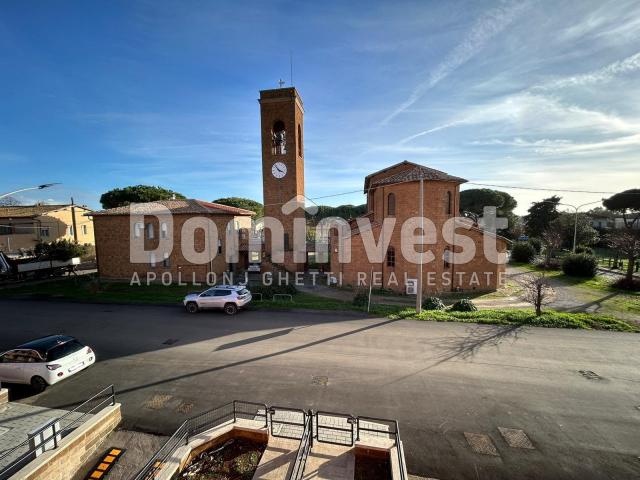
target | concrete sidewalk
[{"x": 17, "y": 420}]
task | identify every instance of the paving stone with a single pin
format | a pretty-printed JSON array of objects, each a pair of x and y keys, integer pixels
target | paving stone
[
  {"x": 481, "y": 443},
  {"x": 516, "y": 438}
]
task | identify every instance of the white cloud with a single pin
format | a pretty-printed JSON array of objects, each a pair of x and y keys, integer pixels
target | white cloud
[
  {"x": 536, "y": 114},
  {"x": 604, "y": 74},
  {"x": 485, "y": 28}
]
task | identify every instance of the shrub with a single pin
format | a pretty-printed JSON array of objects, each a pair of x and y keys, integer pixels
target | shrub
[
  {"x": 361, "y": 299},
  {"x": 580, "y": 265},
  {"x": 551, "y": 264},
  {"x": 523, "y": 252},
  {"x": 584, "y": 249},
  {"x": 625, "y": 284},
  {"x": 464, "y": 305},
  {"x": 536, "y": 243},
  {"x": 62, "y": 250},
  {"x": 432, "y": 303}
]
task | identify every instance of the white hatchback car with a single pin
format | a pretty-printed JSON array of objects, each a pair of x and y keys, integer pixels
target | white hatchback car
[
  {"x": 45, "y": 361},
  {"x": 230, "y": 298}
]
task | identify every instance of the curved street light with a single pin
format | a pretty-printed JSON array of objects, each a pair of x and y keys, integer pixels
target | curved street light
[
  {"x": 38, "y": 187},
  {"x": 575, "y": 225}
]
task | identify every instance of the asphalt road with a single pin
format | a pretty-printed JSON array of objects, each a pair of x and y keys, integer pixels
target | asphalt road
[{"x": 439, "y": 380}]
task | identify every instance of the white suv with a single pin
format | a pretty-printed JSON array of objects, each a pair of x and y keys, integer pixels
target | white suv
[
  {"x": 45, "y": 361},
  {"x": 230, "y": 298}
]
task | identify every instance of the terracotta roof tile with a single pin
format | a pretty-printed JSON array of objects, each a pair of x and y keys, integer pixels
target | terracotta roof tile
[
  {"x": 416, "y": 173},
  {"x": 188, "y": 206},
  {"x": 25, "y": 211}
]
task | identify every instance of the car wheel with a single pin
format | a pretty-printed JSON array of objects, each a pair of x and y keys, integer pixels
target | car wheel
[
  {"x": 38, "y": 384},
  {"x": 230, "y": 309},
  {"x": 192, "y": 307}
]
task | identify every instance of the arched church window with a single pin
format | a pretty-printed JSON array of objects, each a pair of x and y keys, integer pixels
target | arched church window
[
  {"x": 449, "y": 206},
  {"x": 279, "y": 138},
  {"x": 391, "y": 205}
]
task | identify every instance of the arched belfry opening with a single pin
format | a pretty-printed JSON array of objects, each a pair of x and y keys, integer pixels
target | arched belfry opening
[{"x": 279, "y": 136}]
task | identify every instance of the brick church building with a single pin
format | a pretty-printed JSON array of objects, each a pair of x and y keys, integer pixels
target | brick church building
[
  {"x": 395, "y": 192},
  {"x": 391, "y": 192}
]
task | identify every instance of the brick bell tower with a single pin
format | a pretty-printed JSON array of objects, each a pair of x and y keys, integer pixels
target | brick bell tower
[{"x": 281, "y": 116}]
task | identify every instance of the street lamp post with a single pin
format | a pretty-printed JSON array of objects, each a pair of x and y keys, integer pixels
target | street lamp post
[
  {"x": 38, "y": 187},
  {"x": 575, "y": 224}
]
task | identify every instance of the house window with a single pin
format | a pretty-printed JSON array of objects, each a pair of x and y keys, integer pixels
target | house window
[
  {"x": 165, "y": 262},
  {"x": 44, "y": 231},
  {"x": 449, "y": 207},
  {"x": 391, "y": 257},
  {"x": 70, "y": 230},
  {"x": 152, "y": 259},
  {"x": 150, "y": 233},
  {"x": 163, "y": 230},
  {"x": 279, "y": 138},
  {"x": 219, "y": 247},
  {"x": 286, "y": 242},
  {"x": 84, "y": 230},
  {"x": 137, "y": 230},
  {"x": 447, "y": 257},
  {"x": 6, "y": 230},
  {"x": 299, "y": 140},
  {"x": 391, "y": 205}
]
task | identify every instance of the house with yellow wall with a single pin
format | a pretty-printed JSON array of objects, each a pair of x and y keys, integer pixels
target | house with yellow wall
[{"x": 24, "y": 226}]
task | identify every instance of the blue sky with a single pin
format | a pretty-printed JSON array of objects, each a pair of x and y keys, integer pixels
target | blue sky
[{"x": 98, "y": 95}]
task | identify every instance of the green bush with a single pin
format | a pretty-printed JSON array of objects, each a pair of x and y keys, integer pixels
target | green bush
[
  {"x": 464, "y": 305},
  {"x": 523, "y": 252},
  {"x": 361, "y": 299},
  {"x": 580, "y": 265},
  {"x": 536, "y": 243},
  {"x": 584, "y": 249},
  {"x": 432, "y": 303},
  {"x": 62, "y": 250}
]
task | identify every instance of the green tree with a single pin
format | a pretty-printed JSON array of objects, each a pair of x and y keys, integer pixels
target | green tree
[
  {"x": 119, "y": 197},
  {"x": 627, "y": 240},
  {"x": 540, "y": 216},
  {"x": 342, "y": 211},
  {"x": 245, "y": 203},
  {"x": 473, "y": 201},
  {"x": 62, "y": 250},
  {"x": 627, "y": 204},
  {"x": 585, "y": 233}
]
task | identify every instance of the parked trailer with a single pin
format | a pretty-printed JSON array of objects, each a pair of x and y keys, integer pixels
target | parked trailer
[{"x": 35, "y": 268}]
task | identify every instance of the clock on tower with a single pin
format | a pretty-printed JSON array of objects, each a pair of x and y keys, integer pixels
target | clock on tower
[{"x": 281, "y": 116}]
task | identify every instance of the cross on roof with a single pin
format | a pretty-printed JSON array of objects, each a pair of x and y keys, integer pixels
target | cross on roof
[{"x": 281, "y": 83}]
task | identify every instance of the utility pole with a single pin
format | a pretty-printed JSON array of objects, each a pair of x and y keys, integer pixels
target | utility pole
[
  {"x": 419, "y": 292},
  {"x": 73, "y": 221}
]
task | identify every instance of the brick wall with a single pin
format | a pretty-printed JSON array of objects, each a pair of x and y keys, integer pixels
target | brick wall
[
  {"x": 112, "y": 249},
  {"x": 74, "y": 450},
  {"x": 479, "y": 274}
]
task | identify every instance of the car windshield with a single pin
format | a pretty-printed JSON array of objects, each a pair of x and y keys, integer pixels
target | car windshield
[{"x": 56, "y": 353}]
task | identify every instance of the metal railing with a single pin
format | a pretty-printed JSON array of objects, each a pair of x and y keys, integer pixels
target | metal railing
[
  {"x": 297, "y": 424},
  {"x": 306, "y": 443},
  {"x": 53, "y": 431},
  {"x": 287, "y": 422},
  {"x": 229, "y": 412}
]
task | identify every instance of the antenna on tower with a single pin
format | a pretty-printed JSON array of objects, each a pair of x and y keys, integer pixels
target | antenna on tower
[{"x": 291, "y": 66}]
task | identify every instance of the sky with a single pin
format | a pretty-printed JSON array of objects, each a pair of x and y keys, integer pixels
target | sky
[{"x": 99, "y": 95}]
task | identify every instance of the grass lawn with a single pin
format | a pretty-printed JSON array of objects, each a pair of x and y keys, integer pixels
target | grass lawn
[
  {"x": 87, "y": 288},
  {"x": 549, "y": 318}
]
